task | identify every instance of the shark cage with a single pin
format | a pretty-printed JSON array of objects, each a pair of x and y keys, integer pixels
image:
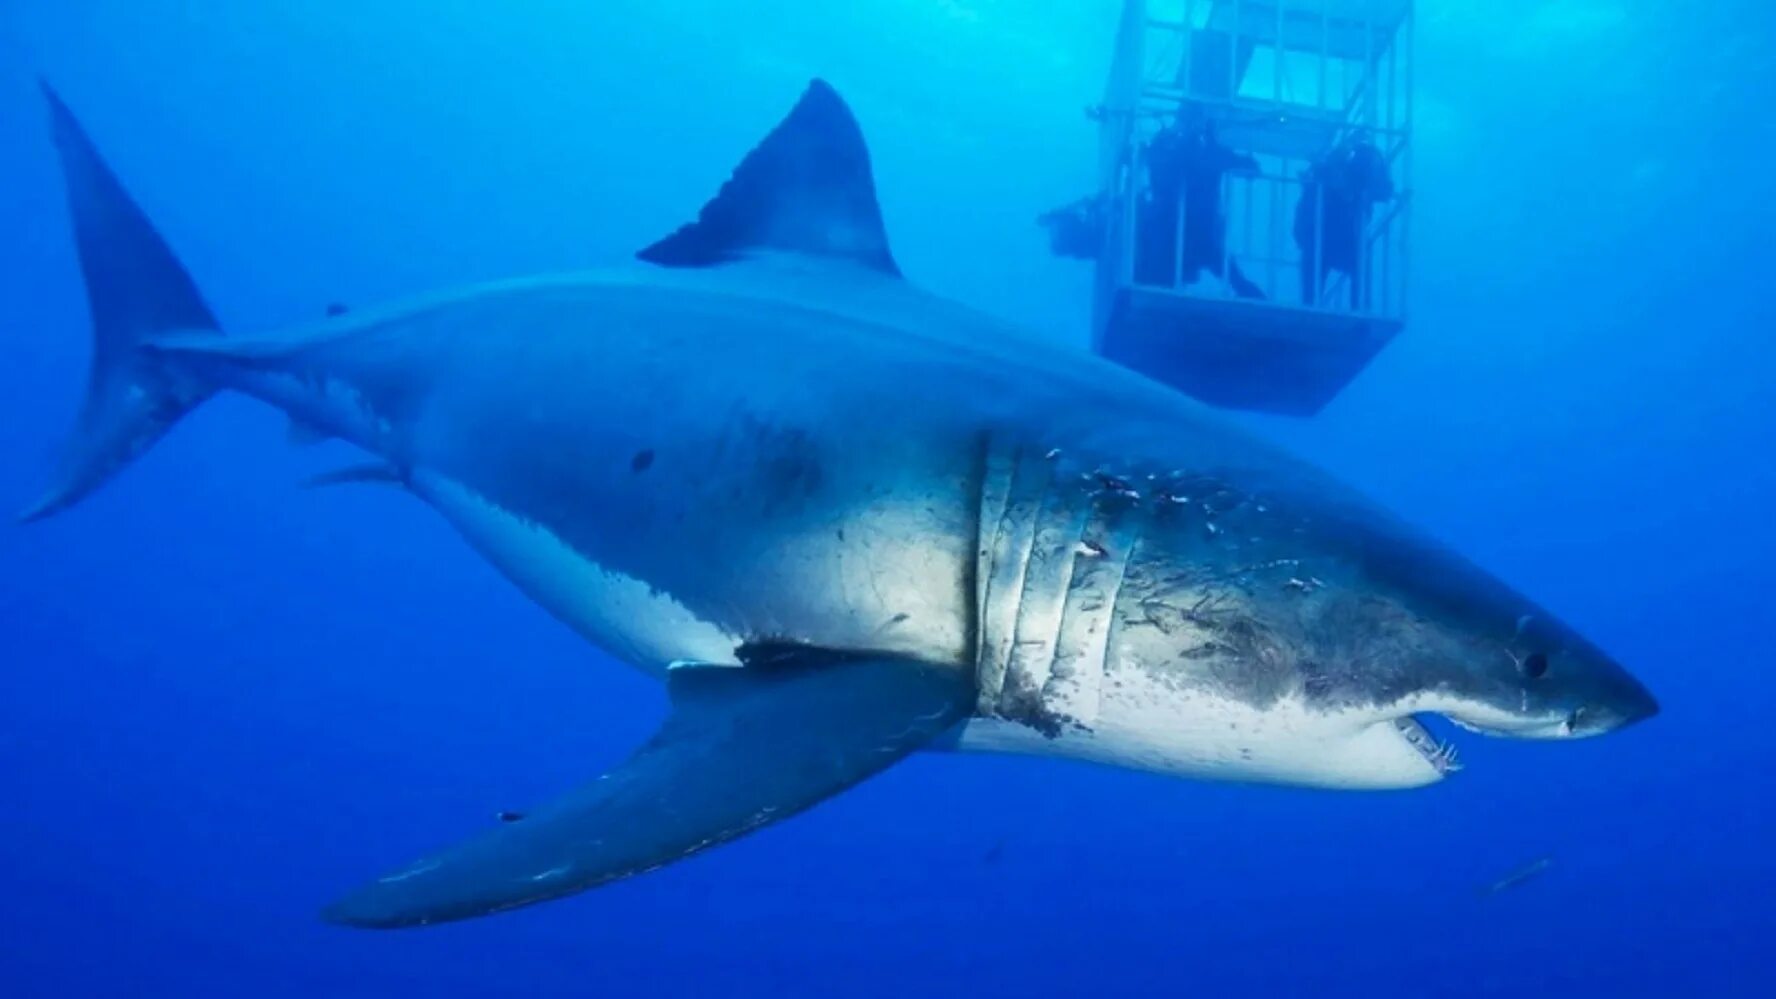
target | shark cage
[{"x": 1254, "y": 203}]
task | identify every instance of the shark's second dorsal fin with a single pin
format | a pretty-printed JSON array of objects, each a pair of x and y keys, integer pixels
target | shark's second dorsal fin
[{"x": 805, "y": 189}]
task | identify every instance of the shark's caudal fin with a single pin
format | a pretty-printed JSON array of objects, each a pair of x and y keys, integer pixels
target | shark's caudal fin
[
  {"x": 806, "y": 189},
  {"x": 135, "y": 289},
  {"x": 741, "y": 748}
]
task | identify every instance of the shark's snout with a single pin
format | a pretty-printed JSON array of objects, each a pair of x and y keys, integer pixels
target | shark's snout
[
  {"x": 1610, "y": 701},
  {"x": 1624, "y": 706},
  {"x": 1600, "y": 694}
]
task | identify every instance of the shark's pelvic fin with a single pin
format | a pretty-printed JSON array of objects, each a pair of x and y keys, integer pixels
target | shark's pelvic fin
[
  {"x": 807, "y": 189},
  {"x": 136, "y": 289},
  {"x": 741, "y": 748}
]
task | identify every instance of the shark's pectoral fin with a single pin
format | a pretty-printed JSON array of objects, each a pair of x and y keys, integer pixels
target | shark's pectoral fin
[
  {"x": 741, "y": 748},
  {"x": 301, "y": 433},
  {"x": 806, "y": 189},
  {"x": 370, "y": 472}
]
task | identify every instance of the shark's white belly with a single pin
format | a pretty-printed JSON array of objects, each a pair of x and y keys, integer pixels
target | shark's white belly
[
  {"x": 638, "y": 623},
  {"x": 1144, "y": 726}
]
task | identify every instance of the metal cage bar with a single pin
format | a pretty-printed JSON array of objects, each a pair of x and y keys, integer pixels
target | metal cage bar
[{"x": 1369, "y": 96}]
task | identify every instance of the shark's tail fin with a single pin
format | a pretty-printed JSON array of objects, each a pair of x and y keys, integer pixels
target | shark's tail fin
[{"x": 136, "y": 289}]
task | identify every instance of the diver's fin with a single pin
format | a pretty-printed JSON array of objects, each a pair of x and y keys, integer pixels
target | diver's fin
[
  {"x": 371, "y": 472},
  {"x": 806, "y": 189},
  {"x": 135, "y": 289},
  {"x": 740, "y": 748}
]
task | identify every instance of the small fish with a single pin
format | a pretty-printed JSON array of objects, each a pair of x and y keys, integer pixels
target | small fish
[
  {"x": 1517, "y": 877},
  {"x": 993, "y": 855},
  {"x": 509, "y": 816}
]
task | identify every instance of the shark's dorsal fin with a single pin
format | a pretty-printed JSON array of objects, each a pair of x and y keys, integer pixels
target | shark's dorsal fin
[{"x": 805, "y": 189}]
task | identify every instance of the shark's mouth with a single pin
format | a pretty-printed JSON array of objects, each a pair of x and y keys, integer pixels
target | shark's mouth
[{"x": 1439, "y": 754}]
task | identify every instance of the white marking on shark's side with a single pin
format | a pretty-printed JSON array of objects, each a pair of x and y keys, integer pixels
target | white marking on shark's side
[
  {"x": 410, "y": 872},
  {"x": 552, "y": 873}
]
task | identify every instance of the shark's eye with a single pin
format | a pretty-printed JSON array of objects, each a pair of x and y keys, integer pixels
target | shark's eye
[{"x": 1535, "y": 665}]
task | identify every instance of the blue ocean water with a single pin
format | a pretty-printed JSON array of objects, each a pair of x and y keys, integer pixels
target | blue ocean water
[{"x": 223, "y": 699}]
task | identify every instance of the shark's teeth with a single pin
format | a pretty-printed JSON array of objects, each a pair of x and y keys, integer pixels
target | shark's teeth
[{"x": 1441, "y": 755}]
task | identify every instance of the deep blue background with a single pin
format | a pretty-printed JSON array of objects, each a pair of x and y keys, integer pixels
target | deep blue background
[{"x": 222, "y": 699}]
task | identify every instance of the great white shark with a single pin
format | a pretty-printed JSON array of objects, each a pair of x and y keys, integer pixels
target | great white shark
[{"x": 844, "y": 519}]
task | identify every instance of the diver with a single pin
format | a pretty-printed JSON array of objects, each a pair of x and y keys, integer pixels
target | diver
[
  {"x": 1185, "y": 164},
  {"x": 1076, "y": 229},
  {"x": 1338, "y": 195}
]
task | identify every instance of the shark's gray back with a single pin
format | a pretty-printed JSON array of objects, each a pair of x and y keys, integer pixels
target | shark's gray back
[{"x": 788, "y": 426}]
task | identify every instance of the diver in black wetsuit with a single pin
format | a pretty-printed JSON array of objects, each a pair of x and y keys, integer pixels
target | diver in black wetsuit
[
  {"x": 1338, "y": 194},
  {"x": 1185, "y": 164}
]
